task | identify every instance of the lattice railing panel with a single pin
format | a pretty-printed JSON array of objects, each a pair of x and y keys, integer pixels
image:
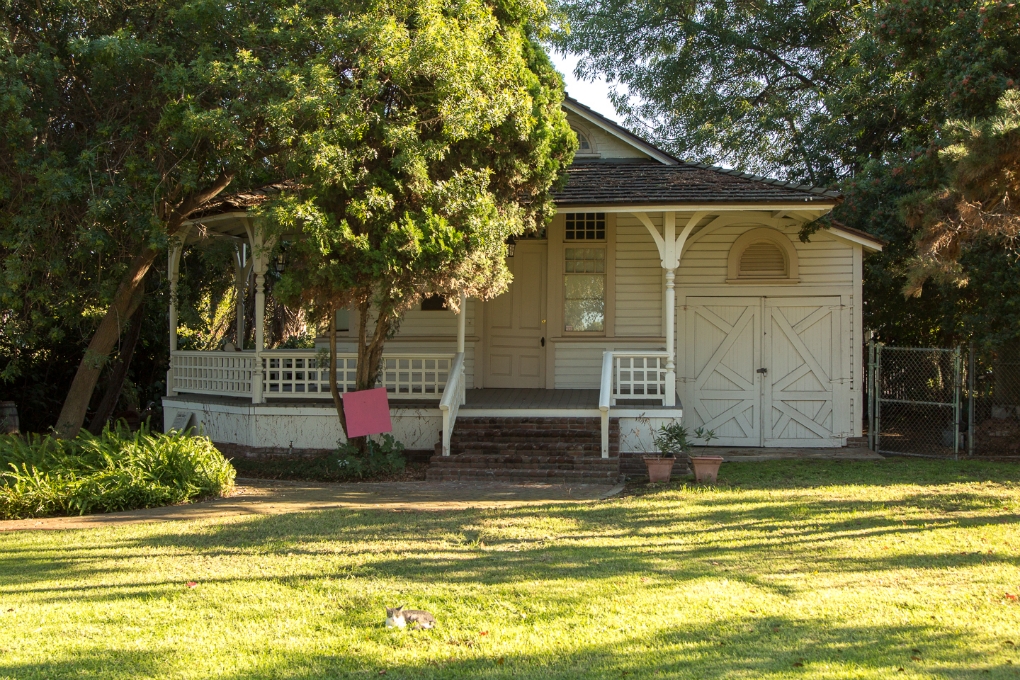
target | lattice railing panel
[
  {"x": 220, "y": 373},
  {"x": 296, "y": 373},
  {"x": 639, "y": 376}
]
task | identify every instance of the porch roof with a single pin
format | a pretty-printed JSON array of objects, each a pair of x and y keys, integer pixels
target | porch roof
[{"x": 595, "y": 183}]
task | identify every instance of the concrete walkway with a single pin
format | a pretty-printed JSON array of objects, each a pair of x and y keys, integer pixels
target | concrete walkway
[
  {"x": 261, "y": 497},
  {"x": 736, "y": 454}
]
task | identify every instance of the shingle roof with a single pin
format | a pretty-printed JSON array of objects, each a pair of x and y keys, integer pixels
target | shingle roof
[{"x": 614, "y": 183}]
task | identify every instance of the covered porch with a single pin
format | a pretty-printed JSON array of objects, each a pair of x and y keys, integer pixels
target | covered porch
[{"x": 275, "y": 398}]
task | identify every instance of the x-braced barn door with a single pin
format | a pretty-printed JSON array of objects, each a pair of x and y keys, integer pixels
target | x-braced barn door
[{"x": 765, "y": 371}]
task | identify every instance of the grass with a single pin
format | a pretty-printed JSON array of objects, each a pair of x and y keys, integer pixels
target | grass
[{"x": 898, "y": 568}]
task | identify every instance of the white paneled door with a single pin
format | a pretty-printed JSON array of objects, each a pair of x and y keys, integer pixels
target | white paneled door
[
  {"x": 766, "y": 371},
  {"x": 515, "y": 322}
]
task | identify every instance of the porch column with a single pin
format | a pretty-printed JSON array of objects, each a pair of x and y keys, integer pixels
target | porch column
[
  {"x": 173, "y": 275},
  {"x": 670, "y": 340},
  {"x": 670, "y": 247},
  {"x": 461, "y": 324},
  {"x": 242, "y": 268},
  {"x": 260, "y": 264}
]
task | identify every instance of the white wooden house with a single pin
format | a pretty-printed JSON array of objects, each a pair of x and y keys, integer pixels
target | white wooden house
[{"x": 661, "y": 290}]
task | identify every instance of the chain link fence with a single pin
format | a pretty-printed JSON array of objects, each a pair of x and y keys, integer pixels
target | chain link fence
[
  {"x": 915, "y": 405},
  {"x": 993, "y": 412},
  {"x": 943, "y": 402}
]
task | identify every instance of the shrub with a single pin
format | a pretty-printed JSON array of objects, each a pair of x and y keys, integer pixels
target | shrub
[
  {"x": 384, "y": 457},
  {"x": 672, "y": 439},
  {"x": 116, "y": 470}
]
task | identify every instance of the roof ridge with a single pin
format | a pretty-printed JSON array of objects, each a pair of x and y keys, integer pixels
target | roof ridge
[{"x": 791, "y": 184}]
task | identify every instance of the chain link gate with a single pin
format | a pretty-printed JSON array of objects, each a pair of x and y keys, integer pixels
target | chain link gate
[{"x": 914, "y": 407}]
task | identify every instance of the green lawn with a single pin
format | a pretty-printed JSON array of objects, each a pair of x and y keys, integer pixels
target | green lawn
[{"x": 898, "y": 568}]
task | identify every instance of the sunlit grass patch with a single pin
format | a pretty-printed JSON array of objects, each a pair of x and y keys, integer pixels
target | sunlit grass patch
[{"x": 785, "y": 569}]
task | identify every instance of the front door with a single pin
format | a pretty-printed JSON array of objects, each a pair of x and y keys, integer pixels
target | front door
[
  {"x": 765, "y": 371},
  {"x": 515, "y": 322}
]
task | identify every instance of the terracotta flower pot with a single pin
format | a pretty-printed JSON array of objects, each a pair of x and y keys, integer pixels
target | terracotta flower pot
[
  {"x": 706, "y": 468},
  {"x": 659, "y": 468}
]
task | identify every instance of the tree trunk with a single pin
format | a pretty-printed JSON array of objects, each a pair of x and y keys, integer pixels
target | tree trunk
[
  {"x": 333, "y": 389},
  {"x": 72, "y": 415},
  {"x": 76, "y": 404},
  {"x": 120, "y": 367}
]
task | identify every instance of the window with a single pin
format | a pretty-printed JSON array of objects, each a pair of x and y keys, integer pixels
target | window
[
  {"x": 343, "y": 320},
  {"x": 583, "y": 145},
  {"x": 434, "y": 303},
  {"x": 585, "y": 226},
  {"x": 584, "y": 285}
]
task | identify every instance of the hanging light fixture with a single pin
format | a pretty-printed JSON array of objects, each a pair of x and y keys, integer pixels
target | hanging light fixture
[
  {"x": 280, "y": 264},
  {"x": 511, "y": 243}
]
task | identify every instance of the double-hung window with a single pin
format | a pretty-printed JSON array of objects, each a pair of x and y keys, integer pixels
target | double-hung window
[{"x": 584, "y": 278}]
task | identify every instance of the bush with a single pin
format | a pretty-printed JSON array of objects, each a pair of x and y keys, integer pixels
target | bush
[
  {"x": 380, "y": 458},
  {"x": 117, "y": 470}
]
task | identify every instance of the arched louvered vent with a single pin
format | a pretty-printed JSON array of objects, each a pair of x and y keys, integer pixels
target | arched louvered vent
[{"x": 763, "y": 259}]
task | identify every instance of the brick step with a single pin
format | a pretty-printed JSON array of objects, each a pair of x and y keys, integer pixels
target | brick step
[
  {"x": 517, "y": 458},
  {"x": 525, "y": 435},
  {"x": 552, "y": 447},
  {"x": 502, "y": 475},
  {"x": 540, "y": 421}
]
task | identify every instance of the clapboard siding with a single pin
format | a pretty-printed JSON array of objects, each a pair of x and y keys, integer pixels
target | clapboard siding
[
  {"x": 606, "y": 144},
  {"x": 578, "y": 366},
  {"x": 638, "y": 280},
  {"x": 824, "y": 260}
]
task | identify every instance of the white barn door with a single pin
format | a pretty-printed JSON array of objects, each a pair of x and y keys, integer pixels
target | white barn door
[
  {"x": 723, "y": 352},
  {"x": 805, "y": 402},
  {"x": 765, "y": 371}
]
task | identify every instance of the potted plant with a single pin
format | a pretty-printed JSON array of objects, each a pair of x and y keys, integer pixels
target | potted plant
[
  {"x": 671, "y": 441},
  {"x": 706, "y": 468}
]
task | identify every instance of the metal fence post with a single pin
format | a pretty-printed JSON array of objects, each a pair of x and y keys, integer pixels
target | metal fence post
[
  {"x": 878, "y": 396},
  {"x": 871, "y": 390},
  {"x": 970, "y": 399},
  {"x": 956, "y": 402}
]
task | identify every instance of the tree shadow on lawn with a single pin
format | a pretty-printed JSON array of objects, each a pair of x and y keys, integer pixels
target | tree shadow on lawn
[
  {"x": 731, "y": 647},
  {"x": 711, "y": 536}
]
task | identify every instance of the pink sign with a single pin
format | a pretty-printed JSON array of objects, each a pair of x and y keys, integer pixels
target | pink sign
[{"x": 368, "y": 412}]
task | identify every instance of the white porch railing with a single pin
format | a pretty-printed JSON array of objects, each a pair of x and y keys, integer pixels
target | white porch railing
[
  {"x": 220, "y": 373},
  {"x": 453, "y": 399},
  {"x": 633, "y": 374},
  {"x": 304, "y": 373}
]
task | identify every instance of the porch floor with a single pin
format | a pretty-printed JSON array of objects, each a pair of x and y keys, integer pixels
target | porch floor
[
  {"x": 538, "y": 398},
  {"x": 486, "y": 398}
]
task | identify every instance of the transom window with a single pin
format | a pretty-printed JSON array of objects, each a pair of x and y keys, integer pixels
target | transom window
[
  {"x": 585, "y": 226},
  {"x": 584, "y": 286}
]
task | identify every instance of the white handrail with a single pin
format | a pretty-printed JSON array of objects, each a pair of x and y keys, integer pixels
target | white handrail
[
  {"x": 453, "y": 399},
  {"x": 606, "y": 398}
]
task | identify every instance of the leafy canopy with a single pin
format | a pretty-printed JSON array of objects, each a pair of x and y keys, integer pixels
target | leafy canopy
[{"x": 438, "y": 133}]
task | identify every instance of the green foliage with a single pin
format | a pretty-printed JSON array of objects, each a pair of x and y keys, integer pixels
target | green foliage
[
  {"x": 438, "y": 134},
  {"x": 672, "y": 438},
  {"x": 384, "y": 457},
  {"x": 116, "y": 470},
  {"x": 852, "y": 94}
]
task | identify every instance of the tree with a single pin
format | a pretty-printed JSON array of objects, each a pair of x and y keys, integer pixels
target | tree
[
  {"x": 441, "y": 133},
  {"x": 125, "y": 117},
  {"x": 851, "y": 94}
]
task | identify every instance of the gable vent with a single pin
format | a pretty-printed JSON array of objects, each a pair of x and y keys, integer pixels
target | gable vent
[{"x": 763, "y": 259}]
